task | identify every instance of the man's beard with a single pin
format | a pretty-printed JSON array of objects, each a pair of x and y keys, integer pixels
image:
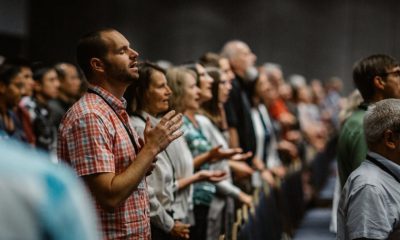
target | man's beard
[{"x": 119, "y": 74}]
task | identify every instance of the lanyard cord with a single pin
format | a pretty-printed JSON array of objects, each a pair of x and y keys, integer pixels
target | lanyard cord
[
  {"x": 383, "y": 167},
  {"x": 131, "y": 137}
]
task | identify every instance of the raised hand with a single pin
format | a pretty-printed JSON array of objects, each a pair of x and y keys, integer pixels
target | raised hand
[
  {"x": 241, "y": 156},
  {"x": 218, "y": 153},
  {"x": 211, "y": 176},
  {"x": 166, "y": 131},
  {"x": 241, "y": 169}
]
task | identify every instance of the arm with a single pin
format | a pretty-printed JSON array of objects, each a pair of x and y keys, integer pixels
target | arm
[
  {"x": 111, "y": 189},
  {"x": 215, "y": 154},
  {"x": 202, "y": 175}
]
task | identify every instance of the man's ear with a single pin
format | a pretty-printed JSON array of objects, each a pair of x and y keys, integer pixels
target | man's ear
[
  {"x": 379, "y": 83},
  {"x": 390, "y": 139},
  {"x": 97, "y": 65}
]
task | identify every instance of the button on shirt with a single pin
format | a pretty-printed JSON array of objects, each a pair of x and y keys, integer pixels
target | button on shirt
[
  {"x": 369, "y": 205},
  {"x": 92, "y": 139}
]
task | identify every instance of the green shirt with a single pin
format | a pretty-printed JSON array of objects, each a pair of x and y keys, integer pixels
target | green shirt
[
  {"x": 203, "y": 192},
  {"x": 352, "y": 147}
]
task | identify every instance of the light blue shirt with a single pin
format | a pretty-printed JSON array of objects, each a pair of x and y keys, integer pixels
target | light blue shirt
[
  {"x": 369, "y": 205},
  {"x": 41, "y": 200}
]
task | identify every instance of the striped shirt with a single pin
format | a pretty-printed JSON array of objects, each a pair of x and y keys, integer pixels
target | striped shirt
[{"x": 92, "y": 139}]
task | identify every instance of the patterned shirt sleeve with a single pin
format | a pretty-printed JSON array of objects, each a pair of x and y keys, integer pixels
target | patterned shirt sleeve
[{"x": 89, "y": 144}]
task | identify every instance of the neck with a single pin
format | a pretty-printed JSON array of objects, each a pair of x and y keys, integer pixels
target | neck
[
  {"x": 190, "y": 114},
  {"x": 64, "y": 97},
  {"x": 387, "y": 153},
  {"x": 151, "y": 113},
  {"x": 376, "y": 98},
  {"x": 116, "y": 88},
  {"x": 41, "y": 99},
  {"x": 256, "y": 101}
]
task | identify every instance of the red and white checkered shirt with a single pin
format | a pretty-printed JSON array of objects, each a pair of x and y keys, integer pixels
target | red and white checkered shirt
[{"x": 92, "y": 139}]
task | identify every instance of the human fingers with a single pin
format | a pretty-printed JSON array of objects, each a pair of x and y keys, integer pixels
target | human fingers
[
  {"x": 148, "y": 126},
  {"x": 141, "y": 142},
  {"x": 167, "y": 117},
  {"x": 176, "y": 135}
]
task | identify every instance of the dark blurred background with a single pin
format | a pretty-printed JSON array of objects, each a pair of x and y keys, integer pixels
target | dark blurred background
[{"x": 315, "y": 38}]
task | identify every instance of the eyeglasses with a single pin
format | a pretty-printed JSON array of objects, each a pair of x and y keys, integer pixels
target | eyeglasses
[{"x": 395, "y": 73}]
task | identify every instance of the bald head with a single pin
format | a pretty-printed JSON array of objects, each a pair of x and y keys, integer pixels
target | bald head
[{"x": 239, "y": 55}]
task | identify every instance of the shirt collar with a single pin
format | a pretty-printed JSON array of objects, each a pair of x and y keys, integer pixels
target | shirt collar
[
  {"x": 153, "y": 120},
  {"x": 389, "y": 164},
  {"x": 117, "y": 104}
]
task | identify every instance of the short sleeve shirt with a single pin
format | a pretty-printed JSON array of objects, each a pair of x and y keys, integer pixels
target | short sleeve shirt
[
  {"x": 369, "y": 205},
  {"x": 93, "y": 139}
]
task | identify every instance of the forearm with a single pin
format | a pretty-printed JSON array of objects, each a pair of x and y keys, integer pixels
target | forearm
[
  {"x": 228, "y": 189},
  {"x": 185, "y": 182},
  {"x": 111, "y": 189},
  {"x": 201, "y": 159}
]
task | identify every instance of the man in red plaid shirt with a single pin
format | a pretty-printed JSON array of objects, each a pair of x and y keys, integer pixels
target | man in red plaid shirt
[{"x": 95, "y": 137}]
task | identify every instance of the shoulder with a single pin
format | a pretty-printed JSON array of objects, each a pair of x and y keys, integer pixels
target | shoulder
[
  {"x": 355, "y": 119},
  {"x": 366, "y": 175},
  {"x": 203, "y": 120},
  {"x": 88, "y": 109}
]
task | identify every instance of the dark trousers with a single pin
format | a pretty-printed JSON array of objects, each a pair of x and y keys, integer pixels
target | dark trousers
[
  {"x": 199, "y": 230},
  {"x": 159, "y": 234}
]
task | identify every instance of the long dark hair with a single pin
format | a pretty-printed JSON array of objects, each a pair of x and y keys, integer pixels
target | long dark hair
[
  {"x": 134, "y": 94},
  {"x": 210, "y": 108}
]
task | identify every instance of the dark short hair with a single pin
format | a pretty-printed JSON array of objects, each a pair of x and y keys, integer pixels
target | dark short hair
[
  {"x": 134, "y": 94},
  {"x": 91, "y": 45},
  {"x": 8, "y": 72},
  {"x": 40, "y": 69},
  {"x": 365, "y": 70}
]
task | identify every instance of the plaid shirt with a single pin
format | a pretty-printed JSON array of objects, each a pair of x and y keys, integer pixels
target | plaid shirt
[{"x": 92, "y": 139}]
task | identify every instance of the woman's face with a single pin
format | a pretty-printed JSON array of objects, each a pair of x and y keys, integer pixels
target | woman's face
[
  {"x": 226, "y": 69},
  {"x": 157, "y": 95},
  {"x": 264, "y": 89},
  {"x": 224, "y": 88},
  {"x": 191, "y": 94},
  {"x": 205, "y": 83},
  {"x": 15, "y": 90}
]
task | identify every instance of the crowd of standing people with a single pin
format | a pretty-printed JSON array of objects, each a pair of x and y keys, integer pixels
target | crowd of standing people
[{"x": 169, "y": 152}]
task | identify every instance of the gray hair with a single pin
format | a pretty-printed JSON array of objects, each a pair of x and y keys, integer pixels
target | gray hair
[
  {"x": 381, "y": 116},
  {"x": 269, "y": 66},
  {"x": 230, "y": 49}
]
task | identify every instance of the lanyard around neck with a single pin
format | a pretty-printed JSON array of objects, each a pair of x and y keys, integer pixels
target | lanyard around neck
[
  {"x": 383, "y": 167},
  {"x": 131, "y": 137}
]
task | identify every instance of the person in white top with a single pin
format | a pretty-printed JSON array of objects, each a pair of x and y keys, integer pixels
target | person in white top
[
  {"x": 169, "y": 184},
  {"x": 266, "y": 139}
]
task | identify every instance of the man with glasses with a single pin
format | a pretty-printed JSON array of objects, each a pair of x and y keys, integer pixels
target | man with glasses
[
  {"x": 377, "y": 77},
  {"x": 369, "y": 206}
]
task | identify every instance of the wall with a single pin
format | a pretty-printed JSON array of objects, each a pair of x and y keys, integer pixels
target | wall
[{"x": 318, "y": 39}]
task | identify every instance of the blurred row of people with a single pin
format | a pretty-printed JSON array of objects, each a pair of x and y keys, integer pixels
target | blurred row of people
[{"x": 167, "y": 152}]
